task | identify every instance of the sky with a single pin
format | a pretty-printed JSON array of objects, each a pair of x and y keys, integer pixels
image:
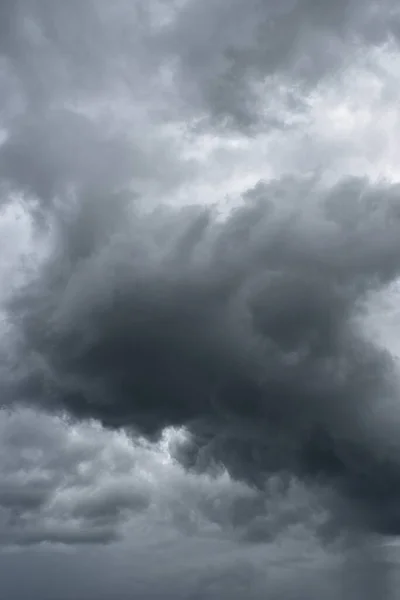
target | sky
[{"x": 199, "y": 292}]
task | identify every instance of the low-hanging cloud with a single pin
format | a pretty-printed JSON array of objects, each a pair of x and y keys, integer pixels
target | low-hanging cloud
[
  {"x": 80, "y": 484},
  {"x": 242, "y": 328},
  {"x": 190, "y": 243}
]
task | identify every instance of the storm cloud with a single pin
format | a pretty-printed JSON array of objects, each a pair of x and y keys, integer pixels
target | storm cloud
[
  {"x": 243, "y": 329},
  {"x": 200, "y": 212}
]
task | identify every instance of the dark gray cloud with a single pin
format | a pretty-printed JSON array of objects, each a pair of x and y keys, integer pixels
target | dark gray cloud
[
  {"x": 198, "y": 378},
  {"x": 192, "y": 568},
  {"x": 186, "y": 59},
  {"x": 242, "y": 329}
]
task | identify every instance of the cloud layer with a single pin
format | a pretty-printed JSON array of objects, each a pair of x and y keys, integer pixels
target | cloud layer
[
  {"x": 200, "y": 213},
  {"x": 243, "y": 329}
]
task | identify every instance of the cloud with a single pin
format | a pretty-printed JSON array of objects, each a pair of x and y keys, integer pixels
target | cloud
[
  {"x": 74, "y": 484},
  {"x": 199, "y": 213},
  {"x": 31, "y": 159},
  {"x": 189, "y": 567},
  {"x": 58, "y": 485},
  {"x": 243, "y": 329},
  {"x": 211, "y": 61},
  {"x": 253, "y": 48}
]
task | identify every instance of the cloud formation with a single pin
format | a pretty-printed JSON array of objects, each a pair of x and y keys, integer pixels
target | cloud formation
[
  {"x": 243, "y": 329},
  {"x": 199, "y": 209},
  {"x": 72, "y": 484}
]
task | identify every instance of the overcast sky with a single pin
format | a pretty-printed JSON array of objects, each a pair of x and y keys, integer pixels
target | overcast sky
[{"x": 199, "y": 291}]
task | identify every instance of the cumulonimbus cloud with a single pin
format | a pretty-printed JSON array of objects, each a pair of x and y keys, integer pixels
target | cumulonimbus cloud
[
  {"x": 242, "y": 328},
  {"x": 239, "y": 322}
]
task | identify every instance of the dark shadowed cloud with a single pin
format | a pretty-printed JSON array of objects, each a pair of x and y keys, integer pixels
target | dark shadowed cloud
[
  {"x": 200, "y": 210},
  {"x": 242, "y": 329}
]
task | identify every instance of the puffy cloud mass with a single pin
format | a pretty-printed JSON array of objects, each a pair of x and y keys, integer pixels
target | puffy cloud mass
[
  {"x": 199, "y": 239},
  {"x": 241, "y": 328},
  {"x": 77, "y": 484}
]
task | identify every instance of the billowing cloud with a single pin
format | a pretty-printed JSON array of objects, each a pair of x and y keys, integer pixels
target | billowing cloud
[
  {"x": 212, "y": 59},
  {"x": 242, "y": 329},
  {"x": 72, "y": 484},
  {"x": 199, "y": 228}
]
